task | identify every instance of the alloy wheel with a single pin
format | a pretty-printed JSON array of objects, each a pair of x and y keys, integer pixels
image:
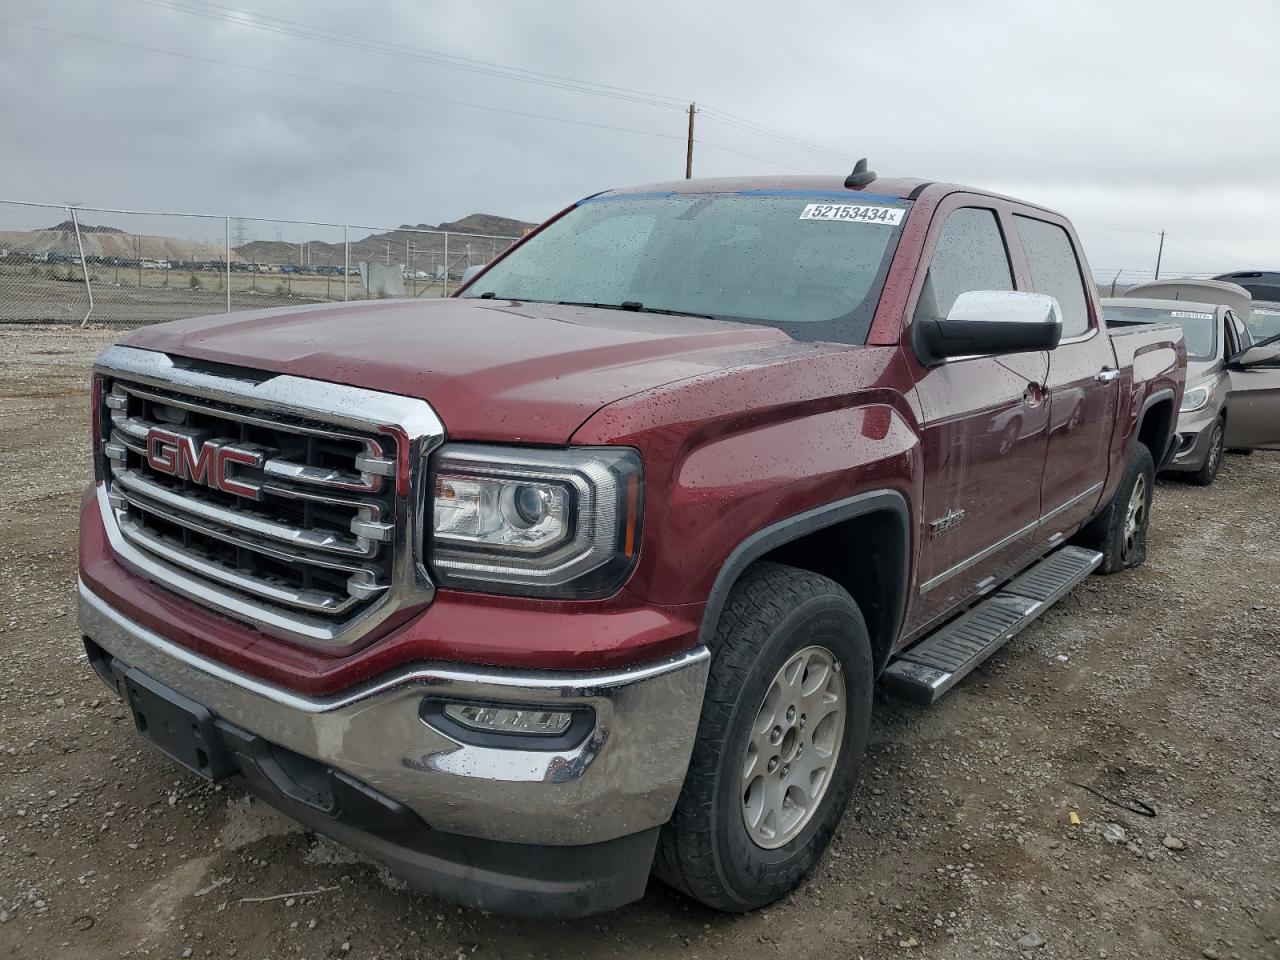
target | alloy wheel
[
  {"x": 1215, "y": 450},
  {"x": 1135, "y": 515},
  {"x": 794, "y": 747}
]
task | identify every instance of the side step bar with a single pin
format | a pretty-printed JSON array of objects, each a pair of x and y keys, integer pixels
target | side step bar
[{"x": 924, "y": 672}]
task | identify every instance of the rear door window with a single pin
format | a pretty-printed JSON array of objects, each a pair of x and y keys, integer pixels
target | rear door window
[
  {"x": 971, "y": 255},
  {"x": 1055, "y": 270}
]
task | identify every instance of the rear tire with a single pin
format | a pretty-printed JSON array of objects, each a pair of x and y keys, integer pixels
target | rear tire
[
  {"x": 783, "y": 728},
  {"x": 1213, "y": 458},
  {"x": 1120, "y": 531}
]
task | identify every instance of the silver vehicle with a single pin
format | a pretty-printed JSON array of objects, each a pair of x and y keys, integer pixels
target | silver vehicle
[
  {"x": 1232, "y": 398},
  {"x": 1264, "y": 320}
]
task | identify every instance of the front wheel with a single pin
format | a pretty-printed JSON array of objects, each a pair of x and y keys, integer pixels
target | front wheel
[
  {"x": 1208, "y": 471},
  {"x": 784, "y": 724}
]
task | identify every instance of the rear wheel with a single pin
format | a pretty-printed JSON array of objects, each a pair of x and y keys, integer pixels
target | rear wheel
[
  {"x": 784, "y": 724},
  {"x": 1213, "y": 459},
  {"x": 1120, "y": 531}
]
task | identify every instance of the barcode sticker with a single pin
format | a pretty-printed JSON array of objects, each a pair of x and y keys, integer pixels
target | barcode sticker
[{"x": 853, "y": 213}]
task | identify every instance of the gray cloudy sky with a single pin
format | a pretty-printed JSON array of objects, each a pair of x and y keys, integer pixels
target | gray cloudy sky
[{"x": 1130, "y": 117}]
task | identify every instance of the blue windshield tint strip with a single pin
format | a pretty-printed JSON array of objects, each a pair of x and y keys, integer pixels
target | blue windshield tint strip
[{"x": 848, "y": 196}]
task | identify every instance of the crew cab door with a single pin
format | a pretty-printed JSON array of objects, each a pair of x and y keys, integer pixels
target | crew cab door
[
  {"x": 983, "y": 423},
  {"x": 1082, "y": 385},
  {"x": 1253, "y": 405}
]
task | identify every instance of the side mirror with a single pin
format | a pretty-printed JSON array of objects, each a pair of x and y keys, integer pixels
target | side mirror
[
  {"x": 470, "y": 273},
  {"x": 990, "y": 322},
  {"x": 1260, "y": 356}
]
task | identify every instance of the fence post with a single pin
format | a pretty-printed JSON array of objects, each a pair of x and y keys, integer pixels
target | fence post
[
  {"x": 346, "y": 262},
  {"x": 227, "y": 249},
  {"x": 84, "y": 266},
  {"x": 444, "y": 291}
]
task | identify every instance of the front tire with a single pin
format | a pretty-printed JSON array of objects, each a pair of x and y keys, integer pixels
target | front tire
[
  {"x": 1213, "y": 459},
  {"x": 783, "y": 728}
]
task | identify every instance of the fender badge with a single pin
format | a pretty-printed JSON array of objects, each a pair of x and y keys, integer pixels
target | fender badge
[{"x": 945, "y": 523}]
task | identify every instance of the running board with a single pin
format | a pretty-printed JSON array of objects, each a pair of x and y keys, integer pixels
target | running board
[{"x": 924, "y": 672}]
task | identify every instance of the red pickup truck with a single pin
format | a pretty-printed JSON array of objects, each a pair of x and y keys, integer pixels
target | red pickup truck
[{"x": 590, "y": 570}]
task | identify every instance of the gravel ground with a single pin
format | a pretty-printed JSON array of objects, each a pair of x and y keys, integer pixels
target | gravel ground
[{"x": 961, "y": 842}]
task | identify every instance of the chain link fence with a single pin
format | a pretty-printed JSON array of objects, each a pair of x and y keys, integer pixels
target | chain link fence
[{"x": 76, "y": 264}]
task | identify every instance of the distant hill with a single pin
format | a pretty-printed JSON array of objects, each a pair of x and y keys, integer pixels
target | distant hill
[
  {"x": 108, "y": 243},
  {"x": 406, "y": 244},
  {"x": 489, "y": 224},
  {"x": 424, "y": 251}
]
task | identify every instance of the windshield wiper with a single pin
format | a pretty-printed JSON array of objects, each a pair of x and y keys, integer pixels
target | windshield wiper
[{"x": 635, "y": 306}]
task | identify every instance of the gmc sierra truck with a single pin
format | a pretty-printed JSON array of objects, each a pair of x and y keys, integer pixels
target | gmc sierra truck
[{"x": 589, "y": 570}]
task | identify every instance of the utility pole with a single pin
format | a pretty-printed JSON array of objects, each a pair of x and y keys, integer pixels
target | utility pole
[
  {"x": 688, "y": 155},
  {"x": 1159, "y": 254}
]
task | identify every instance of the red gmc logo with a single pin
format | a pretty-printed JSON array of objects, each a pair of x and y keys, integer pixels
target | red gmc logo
[{"x": 205, "y": 462}]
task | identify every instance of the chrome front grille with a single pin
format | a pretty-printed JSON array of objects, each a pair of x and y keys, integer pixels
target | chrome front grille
[{"x": 280, "y": 501}]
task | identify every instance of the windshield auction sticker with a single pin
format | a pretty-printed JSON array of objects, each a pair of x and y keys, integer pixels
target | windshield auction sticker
[
  {"x": 853, "y": 213},
  {"x": 1187, "y": 315}
]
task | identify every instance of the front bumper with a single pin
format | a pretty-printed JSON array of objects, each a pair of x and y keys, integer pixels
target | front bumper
[
  {"x": 1191, "y": 442},
  {"x": 620, "y": 781}
]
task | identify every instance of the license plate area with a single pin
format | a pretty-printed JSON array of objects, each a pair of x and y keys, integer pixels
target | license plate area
[{"x": 176, "y": 725}]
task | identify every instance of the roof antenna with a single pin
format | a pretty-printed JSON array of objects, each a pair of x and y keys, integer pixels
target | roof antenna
[{"x": 861, "y": 176}]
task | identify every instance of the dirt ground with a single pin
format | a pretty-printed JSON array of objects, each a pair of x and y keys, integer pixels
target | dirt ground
[
  {"x": 1158, "y": 685},
  {"x": 56, "y": 294}
]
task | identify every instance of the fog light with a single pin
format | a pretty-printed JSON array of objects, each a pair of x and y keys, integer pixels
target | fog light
[{"x": 493, "y": 719}]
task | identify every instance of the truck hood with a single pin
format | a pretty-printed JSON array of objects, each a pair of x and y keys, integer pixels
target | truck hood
[{"x": 494, "y": 370}]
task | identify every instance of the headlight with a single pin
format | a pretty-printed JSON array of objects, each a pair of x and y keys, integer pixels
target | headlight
[
  {"x": 548, "y": 523},
  {"x": 1197, "y": 398}
]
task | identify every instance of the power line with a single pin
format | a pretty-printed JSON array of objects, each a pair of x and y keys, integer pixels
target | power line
[
  {"x": 385, "y": 90},
  {"x": 1208, "y": 250},
  {"x": 340, "y": 83},
  {"x": 305, "y": 31},
  {"x": 1108, "y": 226}
]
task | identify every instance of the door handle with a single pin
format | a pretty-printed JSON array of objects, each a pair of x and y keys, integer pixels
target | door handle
[{"x": 1106, "y": 375}]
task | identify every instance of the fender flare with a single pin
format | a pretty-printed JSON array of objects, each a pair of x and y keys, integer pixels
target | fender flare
[
  {"x": 784, "y": 531},
  {"x": 1165, "y": 393}
]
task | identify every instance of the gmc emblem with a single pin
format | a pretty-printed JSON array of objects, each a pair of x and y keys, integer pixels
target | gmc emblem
[{"x": 201, "y": 461}]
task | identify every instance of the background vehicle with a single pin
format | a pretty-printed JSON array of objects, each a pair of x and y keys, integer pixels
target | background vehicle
[
  {"x": 593, "y": 568},
  {"x": 1254, "y": 418},
  {"x": 1213, "y": 335},
  {"x": 1201, "y": 291},
  {"x": 1264, "y": 321},
  {"x": 1261, "y": 284}
]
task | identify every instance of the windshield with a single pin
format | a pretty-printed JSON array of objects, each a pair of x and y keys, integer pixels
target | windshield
[
  {"x": 1198, "y": 326},
  {"x": 1264, "y": 321},
  {"x": 804, "y": 263}
]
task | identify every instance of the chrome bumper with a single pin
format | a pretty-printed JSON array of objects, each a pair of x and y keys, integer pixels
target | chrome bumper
[{"x": 624, "y": 777}]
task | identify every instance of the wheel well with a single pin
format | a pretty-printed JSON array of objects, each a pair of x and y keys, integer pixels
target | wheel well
[
  {"x": 1155, "y": 430},
  {"x": 867, "y": 555}
]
